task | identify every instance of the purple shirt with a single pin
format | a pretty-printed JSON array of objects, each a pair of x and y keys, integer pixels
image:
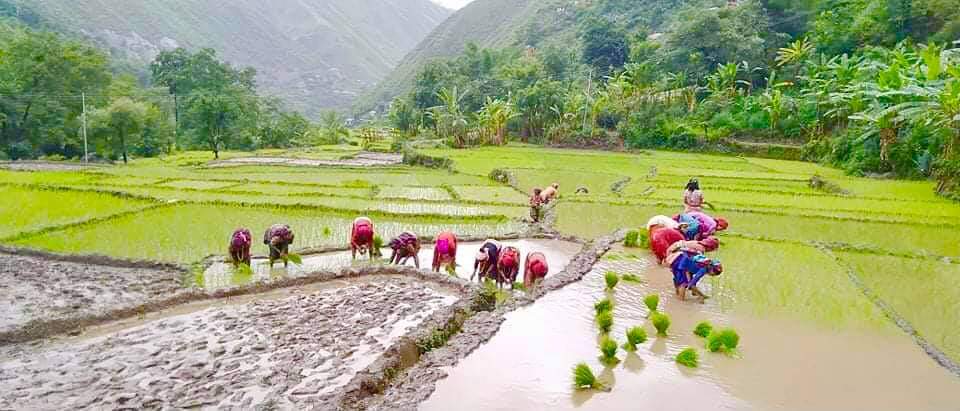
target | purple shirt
[{"x": 708, "y": 225}]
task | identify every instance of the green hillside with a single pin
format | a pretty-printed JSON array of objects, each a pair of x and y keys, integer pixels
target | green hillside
[{"x": 315, "y": 54}]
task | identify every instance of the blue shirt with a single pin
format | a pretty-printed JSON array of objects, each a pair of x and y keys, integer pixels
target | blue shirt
[
  {"x": 681, "y": 266},
  {"x": 693, "y": 226}
]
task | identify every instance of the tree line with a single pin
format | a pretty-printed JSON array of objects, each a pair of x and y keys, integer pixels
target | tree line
[{"x": 872, "y": 86}]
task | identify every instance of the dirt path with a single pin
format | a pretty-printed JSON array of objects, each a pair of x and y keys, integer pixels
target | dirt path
[
  {"x": 364, "y": 159},
  {"x": 36, "y": 290},
  {"x": 293, "y": 353}
]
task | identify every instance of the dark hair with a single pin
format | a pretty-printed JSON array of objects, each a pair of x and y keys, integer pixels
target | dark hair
[
  {"x": 537, "y": 191},
  {"x": 693, "y": 184}
]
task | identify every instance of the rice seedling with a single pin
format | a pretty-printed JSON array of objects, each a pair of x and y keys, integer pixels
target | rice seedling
[
  {"x": 326, "y": 232},
  {"x": 631, "y": 278},
  {"x": 23, "y": 209},
  {"x": 635, "y": 335},
  {"x": 661, "y": 322},
  {"x": 608, "y": 351},
  {"x": 294, "y": 258},
  {"x": 605, "y": 321},
  {"x": 584, "y": 379},
  {"x": 632, "y": 239},
  {"x": 725, "y": 340},
  {"x": 603, "y": 305},
  {"x": 413, "y": 193},
  {"x": 652, "y": 301},
  {"x": 517, "y": 285},
  {"x": 611, "y": 278},
  {"x": 688, "y": 358},
  {"x": 703, "y": 329}
]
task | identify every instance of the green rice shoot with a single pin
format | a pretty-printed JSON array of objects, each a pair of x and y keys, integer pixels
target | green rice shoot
[
  {"x": 703, "y": 329},
  {"x": 611, "y": 279},
  {"x": 603, "y": 305},
  {"x": 608, "y": 351},
  {"x": 631, "y": 278},
  {"x": 661, "y": 322},
  {"x": 584, "y": 379},
  {"x": 652, "y": 301},
  {"x": 635, "y": 335},
  {"x": 294, "y": 258},
  {"x": 632, "y": 240},
  {"x": 725, "y": 340},
  {"x": 688, "y": 358},
  {"x": 605, "y": 321}
]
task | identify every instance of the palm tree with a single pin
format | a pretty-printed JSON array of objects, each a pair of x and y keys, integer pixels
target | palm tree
[
  {"x": 795, "y": 53},
  {"x": 333, "y": 127},
  {"x": 448, "y": 117}
]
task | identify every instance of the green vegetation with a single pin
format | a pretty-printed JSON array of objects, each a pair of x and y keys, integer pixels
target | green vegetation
[
  {"x": 604, "y": 321},
  {"x": 652, "y": 301},
  {"x": 632, "y": 240},
  {"x": 635, "y": 336},
  {"x": 611, "y": 279},
  {"x": 603, "y": 305},
  {"x": 725, "y": 340},
  {"x": 24, "y": 210},
  {"x": 661, "y": 322},
  {"x": 631, "y": 278},
  {"x": 688, "y": 358},
  {"x": 703, "y": 329},
  {"x": 584, "y": 379},
  {"x": 608, "y": 351}
]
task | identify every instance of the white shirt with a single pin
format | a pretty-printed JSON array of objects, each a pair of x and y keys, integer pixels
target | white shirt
[{"x": 664, "y": 221}]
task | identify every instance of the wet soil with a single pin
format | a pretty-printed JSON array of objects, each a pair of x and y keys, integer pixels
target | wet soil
[
  {"x": 292, "y": 352},
  {"x": 35, "y": 290},
  {"x": 781, "y": 364},
  {"x": 365, "y": 159}
]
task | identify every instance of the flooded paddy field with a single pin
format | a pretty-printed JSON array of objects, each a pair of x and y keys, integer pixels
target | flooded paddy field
[{"x": 287, "y": 349}]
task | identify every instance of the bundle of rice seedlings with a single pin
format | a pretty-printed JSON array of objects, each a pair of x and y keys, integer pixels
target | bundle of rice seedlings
[
  {"x": 632, "y": 239},
  {"x": 688, "y": 357},
  {"x": 644, "y": 240},
  {"x": 295, "y": 259},
  {"x": 603, "y": 305},
  {"x": 652, "y": 301},
  {"x": 635, "y": 335},
  {"x": 631, "y": 278},
  {"x": 608, "y": 351},
  {"x": 605, "y": 321},
  {"x": 661, "y": 322},
  {"x": 725, "y": 340},
  {"x": 612, "y": 279},
  {"x": 703, "y": 329},
  {"x": 584, "y": 379}
]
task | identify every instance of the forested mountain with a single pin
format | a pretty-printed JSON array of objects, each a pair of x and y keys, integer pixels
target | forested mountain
[{"x": 314, "y": 54}]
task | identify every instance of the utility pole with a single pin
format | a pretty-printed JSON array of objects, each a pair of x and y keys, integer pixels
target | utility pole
[{"x": 83, "y": 101}]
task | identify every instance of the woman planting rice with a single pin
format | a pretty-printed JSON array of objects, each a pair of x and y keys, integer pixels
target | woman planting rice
[
  {"x": 278, "y": 237},
  {"x": 485, "y": 262},
  {"x": 690, "y": 226},
  {"x": 405, "y": 246},
  {"x": 445, "y": 251},
  {"x": 508, "y": 266},
  {"x": 692, "y": 196},
  {"x": 708, "y": 225},
  {"x": 662, "y": 221},
  {"x": 535, "y": 205},
  {"x": 535, "y": 269},
  {"x": 688, "y": 270},
  {"x": 239, "y": 248},
  {"x": 361, "y": 237},
  {"x": 706, "y": 245},
  {"x": 548, "y": 194},
  {"x": 661, "y": 238}
]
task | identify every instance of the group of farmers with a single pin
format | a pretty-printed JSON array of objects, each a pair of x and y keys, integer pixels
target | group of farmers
[{"x": 681, "y": 242}]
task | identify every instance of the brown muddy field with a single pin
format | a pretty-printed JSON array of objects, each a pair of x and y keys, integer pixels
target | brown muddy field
[
  {"x": 35, "y": 290},
  {"x": 288, "y": 349}
]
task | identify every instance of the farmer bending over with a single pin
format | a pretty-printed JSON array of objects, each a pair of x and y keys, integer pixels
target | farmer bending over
[
  {"x": 508, "y": 266},
  {"x": 548, "y": 194},
  {"x": 239, "y": 248},
  {"x": 706, "y": 245},
  {"x": 405, "y": 246},
  {"x": 278, "y": 237},
  {"x": 535, "y": 269},
  {"x": 689, "y": 269},
  {"x": 708, "y": 225},
  {"x": 361, "y": 237},
  {"x": 485, "y": 263},
  {"x": 535, "y": 205},
  {"x": 445, "y": 252}
]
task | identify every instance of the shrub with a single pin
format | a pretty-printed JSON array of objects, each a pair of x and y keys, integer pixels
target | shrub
[
  {"x": 612, "y": 279},
  {"x": 652, "y": 301},
  {"x": 703, "y": 329},
  {"x": 725, "y": 340},
  {"x": 631, "y": 278},
  {"x": 635, "y": 335},
  {"x": 584, "y": 379},
  {"x": 605, "y": 321},
  {"x": 603, "y": 305},
  {"x": 633, "y": 239},
  {"x": 608, "y": 351},
  {"x": 688, "y": 357},
  {"x": 661, "y": 322}
]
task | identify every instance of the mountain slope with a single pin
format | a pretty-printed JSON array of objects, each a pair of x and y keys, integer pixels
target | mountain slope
[{"x": 314, "y": 54}]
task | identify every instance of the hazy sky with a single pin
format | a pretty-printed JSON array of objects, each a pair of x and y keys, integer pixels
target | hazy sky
[{"x": 452, "y": 4}]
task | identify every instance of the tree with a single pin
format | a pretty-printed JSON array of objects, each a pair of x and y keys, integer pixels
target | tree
[
  {"x": 605, "y": 46},
  {"x": 403, "y": 116},
  {"x": 332, "y": 127},
  {"x": 494, "y": 115},
  {"x": 122, "y": 121}
]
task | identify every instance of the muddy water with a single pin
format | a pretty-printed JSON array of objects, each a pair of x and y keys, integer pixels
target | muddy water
[
  {"x": 782, "y": 364},
  {"x": 287, "y": 349},
  {"x": 220, "y": 275}
]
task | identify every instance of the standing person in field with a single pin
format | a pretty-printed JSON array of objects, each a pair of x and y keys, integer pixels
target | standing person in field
[
  {"x": 239, "y": 249},
  {"x": 535, "y": 205},
  {"x": 278, "y": 237},
  {"x": 405, "y": 246},
  {"x": 508, "y": 266},
  {"x": 535, "y": 269},
  {"x": 689, "y": 269},
  {"x": 485, "y": 263},
  {"x": 445, "y": 252},
  {"x": 549, "y": 193},
  {"x": 692, "y": 196},
  {"x": 361, "y": 237}
]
